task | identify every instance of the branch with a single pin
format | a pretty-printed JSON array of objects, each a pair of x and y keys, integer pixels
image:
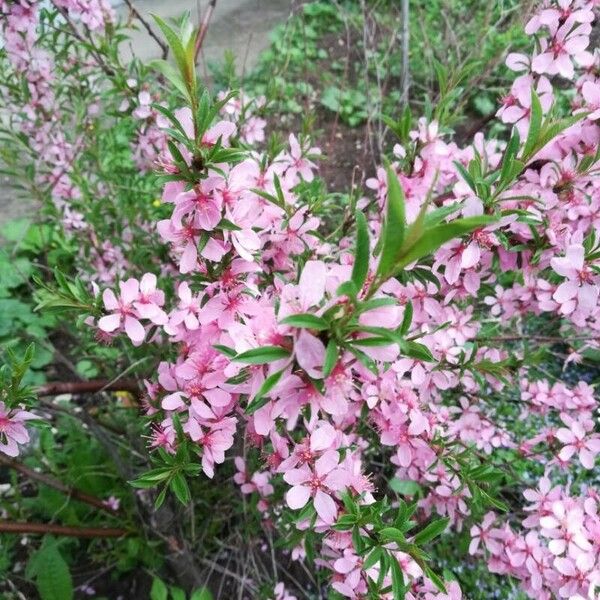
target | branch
[
  {"x": 43, "y": 528},
  {"x": 204, "y": 28},
  {"x": 82, "y": 387},
  {"x": 134, "y": 11},
  {"x": 405, "y": 51},
  {"x": 538, "y": 338},
  {"x": 56, "y": 484}
]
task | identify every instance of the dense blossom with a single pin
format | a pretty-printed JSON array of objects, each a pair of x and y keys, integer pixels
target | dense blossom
[{"x": 415, "y": 377}]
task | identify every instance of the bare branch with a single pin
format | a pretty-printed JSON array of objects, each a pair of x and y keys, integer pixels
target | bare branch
[
  {"x": 134, "y": 11},
  {"x": 56, "y": 484},
  {"x": 204, "y": 28},
  {"x": 82, "y": 387},
  {"x": 44, "y": 528}
]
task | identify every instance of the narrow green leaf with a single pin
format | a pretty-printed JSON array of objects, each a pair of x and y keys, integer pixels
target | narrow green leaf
[
  {"x": 535, "y": 125},
  {"x": 398, "y": 588},
  {"x": 261, "y": 398},
  {"x": 305, "y": 321},
  {"x": 436, "y": 236},
  {"x": 331, "y": 357},
  {"x": 361, "y": 252},
  {"x": 226, "y": 350},
  {"x": 432, "y": 531},
  {"x": 406, "y": 318},
  {"x": 261, "y": 356},
  {"x": 394, "y": 226},
  {"x": 416, "y": 351},
  {"x": 180, "y": 488}
]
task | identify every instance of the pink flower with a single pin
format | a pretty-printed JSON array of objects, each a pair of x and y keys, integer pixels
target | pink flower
[
  {"x": 297, "y": 162},
  {"x": 565, "y": 528},
  {"x": 12, "y": 429},
  {"x": 484, "y": 533},
  {"x": 580, "y": 290},
  {"x": 150, "y": 300},
  {"x": 575, "y": 442},
  {"x": 591, "y": 94},
  {"x": 318, "y": 482},
  {"x": 125, "y": 314},
  {"x": 566, "y": 43}
]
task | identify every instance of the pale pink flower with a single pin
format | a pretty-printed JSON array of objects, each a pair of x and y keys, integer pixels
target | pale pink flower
[
  {"x": 12, "y": 429},
  {"x": 318, "y": 482}
]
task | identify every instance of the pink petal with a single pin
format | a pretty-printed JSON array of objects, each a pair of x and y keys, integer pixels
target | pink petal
[
  {"x": 565, "y": 292},
  {"x": 135, "y": 330},
  {"x": 110, "y": 322},
  {"x": 298, "y": 496},
  {"x": 110, "y": 300},
  {"x": 311, "y": 287},
  {"x": 325, "y": 506}
]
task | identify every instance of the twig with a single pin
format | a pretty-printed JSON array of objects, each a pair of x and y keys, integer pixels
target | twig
[
  {"x": 82, "y": 387},
  {"x": 56, "y": 484},
  {"x": 134, "y": 11},
  {"x": 538, "y": 338},
  {"x": 405, "y": 51},
  {"x": 44, "y": 528},
  {"x": 204, "y": 28}
]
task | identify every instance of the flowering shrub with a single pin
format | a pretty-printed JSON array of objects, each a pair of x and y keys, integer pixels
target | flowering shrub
[{"x": 374, "y": 389}]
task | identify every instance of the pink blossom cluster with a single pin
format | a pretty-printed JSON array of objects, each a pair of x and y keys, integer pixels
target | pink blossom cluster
[
  {"x": 554, "y": 553},
  {"x": 246, "y": 254},
  {"x": 40, "y": 119},
  {"x": 239, "y": 277}
]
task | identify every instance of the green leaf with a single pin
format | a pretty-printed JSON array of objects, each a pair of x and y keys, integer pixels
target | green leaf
[
  {"x": 360, "y": 268},
  {"x": 201, "y": 594},
  {"x": 261, "y": 356},
  {"x": 391, "y": 534},
  {"x": 406, "y": 318},
  {"x": 416, "y": 351},
  {"x": 331, "y": 357},
  {"x": 171, "y": 75},
  {"x": 436, "y": 236},
  {"x": 394, "y": 226},
  {"x": 347, "y": 289},
  {"x": 373, "y": 558},
  {"x": 535, "y": 125},
  {"x": 158, "y": 591},
  {"x": 398, "y": 588},
  {"x": 366, "y": 360},
  {"x": 180, "y": 488},
  {"x": 177, "y": 593},
  {"x": 261, "y": 397},
  {"x": 226, "y": 350},
  {"x": 432, "y": 531},
  {"x": 439, "y": 214},
  {"x": 466, "y": 176},
  {"x": 178, "y": 51},
  {"x": 435, "y": 578},
  {"x": 305, "y": 321},
  {"x": 53, "y": 578}
]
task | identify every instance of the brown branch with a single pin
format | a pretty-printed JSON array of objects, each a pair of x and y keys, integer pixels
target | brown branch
[
  {"x": 134, "y": 11},
  {"x": 82, "y": 387},
  {"x": 71, "y": 492},
  {"x": 44, "y": 528},
  {"x": 204, "y": 28},
  {"x": 538, "y": 338}
]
